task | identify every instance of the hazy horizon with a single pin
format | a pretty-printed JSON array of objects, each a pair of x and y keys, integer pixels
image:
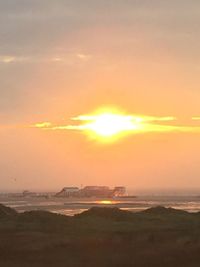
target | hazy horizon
[{"x": 157, "y": 192}]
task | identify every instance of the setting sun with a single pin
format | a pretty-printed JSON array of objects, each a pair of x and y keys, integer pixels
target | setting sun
[{"x": 110, "y": 124}]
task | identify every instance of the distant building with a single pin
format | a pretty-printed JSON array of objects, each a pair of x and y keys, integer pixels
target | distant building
[
  {"x": 68, "y": 192},
  {"x": 92, "y": 191},
  {"x": 96, "y": 191}
]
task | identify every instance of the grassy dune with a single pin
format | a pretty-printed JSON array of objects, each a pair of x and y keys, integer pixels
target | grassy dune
[{"x": 157, "y": 237}]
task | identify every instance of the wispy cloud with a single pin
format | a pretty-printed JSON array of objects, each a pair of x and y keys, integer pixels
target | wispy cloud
[
  {"x": 12, "y": 59},
  {"x": 70, "y": 58},
  {"x": 84, "y": 57},
  {"x": 42, "y": 125},
  {"x": 197, "y": 118},
  {"x": 67, "y": 58}
]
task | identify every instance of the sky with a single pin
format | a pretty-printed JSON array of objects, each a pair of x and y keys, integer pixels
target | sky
[{"x": 65, "y": 58}]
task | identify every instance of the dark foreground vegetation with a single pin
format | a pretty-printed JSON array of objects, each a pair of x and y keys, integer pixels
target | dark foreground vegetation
[{"x": 100, "y": 237}]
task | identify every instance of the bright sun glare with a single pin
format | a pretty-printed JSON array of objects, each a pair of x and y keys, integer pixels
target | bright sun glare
[{"x": 108, "y": 124}]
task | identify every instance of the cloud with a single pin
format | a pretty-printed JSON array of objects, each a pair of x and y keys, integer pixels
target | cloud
[
  {"x": 196, "y": 118},
  {"x": 67, "y": 58},
  {"x": 71, "y": 58},
  {"x": 12, "y": 59},
  {"x": 42, "y": 125},
  {"x": 84, "y": 57}
]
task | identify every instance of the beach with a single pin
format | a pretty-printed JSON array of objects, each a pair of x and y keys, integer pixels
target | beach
[{"x": 71, "y": 206}]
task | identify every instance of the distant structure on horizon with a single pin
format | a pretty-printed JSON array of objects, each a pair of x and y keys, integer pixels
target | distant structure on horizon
[
  {"x": 29, "y": 194},
  {"x": 92, "y": 191}
]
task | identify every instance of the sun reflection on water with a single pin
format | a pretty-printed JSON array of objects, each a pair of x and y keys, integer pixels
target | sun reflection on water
[{"x": 106, "y": 202}]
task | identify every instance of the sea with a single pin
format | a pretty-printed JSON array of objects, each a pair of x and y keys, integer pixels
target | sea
[{"x": 72, "y": 206}]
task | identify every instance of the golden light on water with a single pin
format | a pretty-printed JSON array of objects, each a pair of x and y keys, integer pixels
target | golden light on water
[{"x": 106, "y": 202}]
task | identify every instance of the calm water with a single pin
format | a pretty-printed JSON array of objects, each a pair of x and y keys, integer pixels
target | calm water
[{"x": 74, "y": 206}]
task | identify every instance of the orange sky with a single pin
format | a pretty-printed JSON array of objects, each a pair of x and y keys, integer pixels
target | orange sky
[{"x": 62, "y": 59}]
